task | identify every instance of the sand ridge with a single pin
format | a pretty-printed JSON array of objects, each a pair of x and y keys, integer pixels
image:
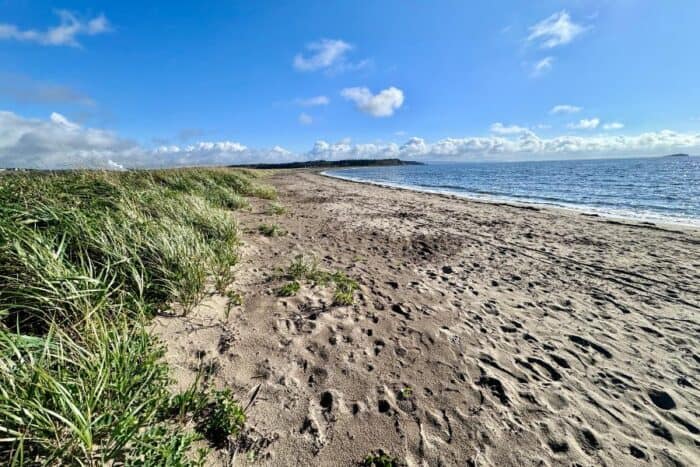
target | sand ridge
[{"x": 482, "y": 334}]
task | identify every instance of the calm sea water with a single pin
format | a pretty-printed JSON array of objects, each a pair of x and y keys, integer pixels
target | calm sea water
[{"x": 652, "y": 189}]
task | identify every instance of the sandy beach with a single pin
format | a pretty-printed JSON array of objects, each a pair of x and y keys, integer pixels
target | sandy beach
[{"x": 481, "y": 334}]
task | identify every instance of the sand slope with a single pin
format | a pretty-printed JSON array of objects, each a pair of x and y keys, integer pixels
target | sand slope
[{"x": 527, "y": 336}]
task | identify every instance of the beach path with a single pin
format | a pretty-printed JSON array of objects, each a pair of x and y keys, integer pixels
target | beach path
[{"x": 481, "y": 333}]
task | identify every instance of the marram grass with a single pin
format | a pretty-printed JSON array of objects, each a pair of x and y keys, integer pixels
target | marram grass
[{"x": 85, "y": 259}]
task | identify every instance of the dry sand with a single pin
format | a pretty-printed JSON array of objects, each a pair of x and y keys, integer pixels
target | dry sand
[{"x": 527, "y": 336}]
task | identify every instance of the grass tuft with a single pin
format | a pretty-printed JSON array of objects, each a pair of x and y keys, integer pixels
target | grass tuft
[
  {"x": 271, "y": 230},
  {"x": 379, "y": 458},
  {"x": 344, "y": 289},
  {"x": 289, "y": 289},
  {"x": 223, "y": 417},
  {"x": 85, "y": 259},
  {"x": 275, "y": 209},
  {"x": 304, "y": 268}
]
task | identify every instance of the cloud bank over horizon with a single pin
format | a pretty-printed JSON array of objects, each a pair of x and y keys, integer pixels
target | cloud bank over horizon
[{"x": 58, "y": 143}]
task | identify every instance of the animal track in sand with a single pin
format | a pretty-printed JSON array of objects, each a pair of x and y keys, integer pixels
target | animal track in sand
[
  {"x": 589, "y": 367},
  {"x": 586, "y": 343},
  {"x": 496, "y": 388},
  {"x": 662, "y": 399}
]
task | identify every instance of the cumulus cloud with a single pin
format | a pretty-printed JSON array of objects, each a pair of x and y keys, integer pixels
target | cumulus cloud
[
  {"x": 565, "y": 109},
  {"x": 526, "y": 145},
  {"x": 66, "y": 33},
  {"x": 555, "y": 30},
  {"x": 585, "y": 124},
  {"x": 501, "y": 129},
  {"x": 322, "y": 54},
  {"x": 58, "y": 143},
  {"x": 305, "y": 119},
  {"x": 543, "y": 66},
  {"x": 383, "y": 104},
  {"x": 613, "y": 126},
  {"x": 313, "y": 101}
]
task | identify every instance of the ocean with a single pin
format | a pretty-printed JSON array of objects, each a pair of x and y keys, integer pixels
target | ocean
[{"x": 664, "y": 189}]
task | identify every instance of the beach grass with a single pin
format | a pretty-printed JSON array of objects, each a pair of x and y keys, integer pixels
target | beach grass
[
  {"x": 289, "y": 289},
  {"x": 86, "y": 259},
  {"x": 303, "y": 267},
  {"x": 271, "y": 230},
  {"x": 275, "y": 209}
]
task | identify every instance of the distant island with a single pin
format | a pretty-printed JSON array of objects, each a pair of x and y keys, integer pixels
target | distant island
[
  {"x": 323, "y": 164},
  {"x": 680, "y": 154}
]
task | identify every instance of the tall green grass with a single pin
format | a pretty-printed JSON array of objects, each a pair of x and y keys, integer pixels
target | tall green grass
[{"x": 85, "y": 259}]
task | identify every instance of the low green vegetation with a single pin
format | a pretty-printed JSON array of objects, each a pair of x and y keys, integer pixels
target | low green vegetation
[
  {"x": 234, "y": 299},
  {"x": 345, "y": 288},
  {"x": 303, "y": 268},
  {"x": 221, "y": 418},
  {"x": 379, "y": 458},
  {"x": 271, "y": 230},
  {"x": 289, "y": 289},
  {"x": 86, "y": 258},
  {"x": 275, "y": 209}
]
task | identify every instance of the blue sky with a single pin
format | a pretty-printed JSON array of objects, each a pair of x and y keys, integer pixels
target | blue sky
[{"x": 163, "y": 83}]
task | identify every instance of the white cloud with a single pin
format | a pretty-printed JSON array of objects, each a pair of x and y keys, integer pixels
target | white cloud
[
  {"x": 324, "y": 54},
  {"x": 382, "y": 104},
  {"x": 66, "y": 33},
  {"x": 613, "y": 126},
  {"x": 501, "y": 129},
  {"x": 565, "y": 109},
  {"x": 313, "y": 101},
  {"x": 585, "y": 124},
  {"x": 60, "y": 120},
  {"x": 525, "y": 146},
  {"x": 543, "y": 66},
  {"x": 58, "y": 143},
  {"x": 555, "y": 30},
  {"x": 344, "y": 149},
  {"x": 305, "y": 119}
]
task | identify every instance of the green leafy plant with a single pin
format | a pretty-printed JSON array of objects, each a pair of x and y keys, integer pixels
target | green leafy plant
[
  {"x": 344, "y": 289},
  {"x": 188, "y": 403},
  {"x": 301, "y": 267},
  {"x": 160, "y": 445},
  {"x": 379, "y": 458},
  {"x": 223, "y": 417},
  {"x": 289, "y": 289}
]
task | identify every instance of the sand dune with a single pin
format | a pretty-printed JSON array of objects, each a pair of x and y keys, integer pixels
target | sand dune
[{"x": 482, "y": 334}]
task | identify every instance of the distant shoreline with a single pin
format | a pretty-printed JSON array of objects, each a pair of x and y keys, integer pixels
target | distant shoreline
[{"x": 324, "y": 164}]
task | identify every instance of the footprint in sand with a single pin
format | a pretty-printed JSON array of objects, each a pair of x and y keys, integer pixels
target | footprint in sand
[{"x": 662, "y": 399}]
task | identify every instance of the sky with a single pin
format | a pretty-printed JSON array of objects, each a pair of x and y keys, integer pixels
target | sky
[{"x": 148, "y": 84}]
